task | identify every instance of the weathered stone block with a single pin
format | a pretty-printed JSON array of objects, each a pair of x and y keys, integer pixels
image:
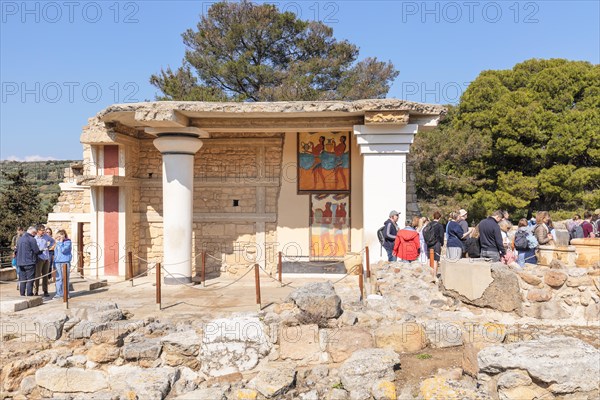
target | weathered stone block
[
  {"x": 299, "y": 342},
  {"x": 342, "y": 342},
  {"x": 555, "y": 278},
  {"x": 500, "y": 293},
  {"x": 529, "y": 278},
  {"x": 402, "y": 338},
  {"x": 71, "y": 380},
  {"x": 275, "y": 379},
  {"x": 539, "y": 295},
  {"x": 563, "y": 363},
  {"x": 367, "y": 366}
]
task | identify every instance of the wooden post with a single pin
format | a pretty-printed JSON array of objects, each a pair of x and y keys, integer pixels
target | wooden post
[
  {"x": 65, "y": 282},
  {"x": 368, "y": 263},
  {"x": 158, "y": 287},
  {"x": 361, "y": 283},
  {"x": 279, "y": 269},
  {"x": 203, "y": 269},
  {"x": 130, "y": 266},
  {"x": 257, "y": 284}
]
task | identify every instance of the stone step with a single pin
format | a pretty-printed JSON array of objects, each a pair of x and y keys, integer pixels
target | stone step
[
  {"x": 8, "y": 274},
  {"x": 14, "y": 304}
]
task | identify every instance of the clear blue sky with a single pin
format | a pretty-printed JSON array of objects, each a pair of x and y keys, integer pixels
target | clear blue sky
[{"x": 62, "y": 62}]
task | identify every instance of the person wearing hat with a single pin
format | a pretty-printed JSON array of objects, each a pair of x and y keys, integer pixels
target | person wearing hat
[
  {"x": 462, "y": 221},
  {"x": 389, "y": 234}
]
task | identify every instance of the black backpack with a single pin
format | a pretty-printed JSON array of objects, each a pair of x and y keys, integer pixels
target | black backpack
[
  {"x": 521, "y": 242},
  {"x": 380, "y": 235},
  {"x": 429, "y": 234}
]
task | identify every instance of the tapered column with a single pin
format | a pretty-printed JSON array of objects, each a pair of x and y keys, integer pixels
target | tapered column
[
  {"x": 384, "y": 151},
  {"x": 178, "y": 152}
]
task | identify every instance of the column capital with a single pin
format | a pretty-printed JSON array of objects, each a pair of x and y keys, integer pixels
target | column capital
[
  {"x": 385, "y": 139},
  {"x": 177, "y": 144},
  {"x": 187, "y": 131}
]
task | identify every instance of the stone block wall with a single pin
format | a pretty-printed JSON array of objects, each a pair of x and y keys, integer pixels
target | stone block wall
[
  {"x": 232, "y": 167},
  {"x": 73, "y": 201},
  {"x": 412, "y": 205},
  {"x": 561, "y": 294}
]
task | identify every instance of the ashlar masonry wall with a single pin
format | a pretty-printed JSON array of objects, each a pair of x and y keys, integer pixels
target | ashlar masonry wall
[{"x": 236, "y": 186}]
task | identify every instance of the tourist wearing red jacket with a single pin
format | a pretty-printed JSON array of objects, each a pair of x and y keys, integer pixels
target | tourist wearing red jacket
[{"x": 407, "y": 244}]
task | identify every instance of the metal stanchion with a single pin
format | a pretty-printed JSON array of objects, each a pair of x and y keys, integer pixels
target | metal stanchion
[
  {"x": 158, "y": 287},
  {"x": 130, "y": 266},
  {"x": 257, "y": 284},
  {"x": 279, "y": 269},
  {"x": 203, "y": 269},
  {"x": 65, "y": 282}
]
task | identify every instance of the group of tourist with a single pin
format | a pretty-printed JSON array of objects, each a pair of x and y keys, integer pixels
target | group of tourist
[
  {"x": 493, "y": 238},
  {"x": 36, "y": 255}
]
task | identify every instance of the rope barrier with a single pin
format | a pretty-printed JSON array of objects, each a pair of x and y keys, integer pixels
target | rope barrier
[
  {"x": 204, "y": 289},
  {"x": 28, "y": 280}
]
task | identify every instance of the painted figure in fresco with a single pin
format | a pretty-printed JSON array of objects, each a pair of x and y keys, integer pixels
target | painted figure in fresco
[
  {"x": 324, "y": 238},
  {"x": 339, "y": 224},
  {"x": 317, "y": 167},
  {"x": 327, "y": 221},
  {"x": 338, "y": 169}
]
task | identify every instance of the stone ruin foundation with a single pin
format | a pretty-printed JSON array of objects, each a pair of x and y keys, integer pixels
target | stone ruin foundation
[{"x": 495, "y": 333}]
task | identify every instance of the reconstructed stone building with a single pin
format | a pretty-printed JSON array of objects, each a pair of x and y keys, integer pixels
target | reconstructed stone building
[{"x": 240, "y": 181}]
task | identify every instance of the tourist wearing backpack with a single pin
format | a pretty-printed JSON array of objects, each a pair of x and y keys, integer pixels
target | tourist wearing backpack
[
  {"x": 576, "y": 230},
  {"x": 390, "y": 230},
  {"x": 407, "y": 245},
  {"x": 586, "y": 225},
  {"x": 522, "y": 243},
  {"x": 433, "y": 236}
]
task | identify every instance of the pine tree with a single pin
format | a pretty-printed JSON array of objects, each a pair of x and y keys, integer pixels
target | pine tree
[
  {"x": 244, "y": 51},
  {"x": 20, "y": 204}
]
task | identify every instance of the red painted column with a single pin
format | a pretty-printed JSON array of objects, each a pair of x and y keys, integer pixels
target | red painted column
[
  {"x": 111, "y": 230},
  {"x": 111, "y": 213}
]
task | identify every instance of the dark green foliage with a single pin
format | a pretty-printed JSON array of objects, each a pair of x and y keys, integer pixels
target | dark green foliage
[
  {"x": 523, "y": 139},
  {"x": 242, "y": 51},
  {"x": 28, "y": 191}
]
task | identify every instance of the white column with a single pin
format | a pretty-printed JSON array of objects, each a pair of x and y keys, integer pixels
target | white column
[
  {"x": 384, "y": 150},
  {"x": 178, "y": 152}
]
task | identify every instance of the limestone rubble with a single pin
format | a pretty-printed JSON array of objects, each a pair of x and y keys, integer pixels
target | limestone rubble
[{"x": 545, "y": 347}]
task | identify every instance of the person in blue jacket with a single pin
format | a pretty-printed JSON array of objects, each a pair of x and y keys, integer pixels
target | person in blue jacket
[
  {"x": 455, "y": 233},
  {"x": 62, "y": 255}
]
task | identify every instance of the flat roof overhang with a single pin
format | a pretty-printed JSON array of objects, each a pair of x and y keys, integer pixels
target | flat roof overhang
[{"x": 271, "y": 116}]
